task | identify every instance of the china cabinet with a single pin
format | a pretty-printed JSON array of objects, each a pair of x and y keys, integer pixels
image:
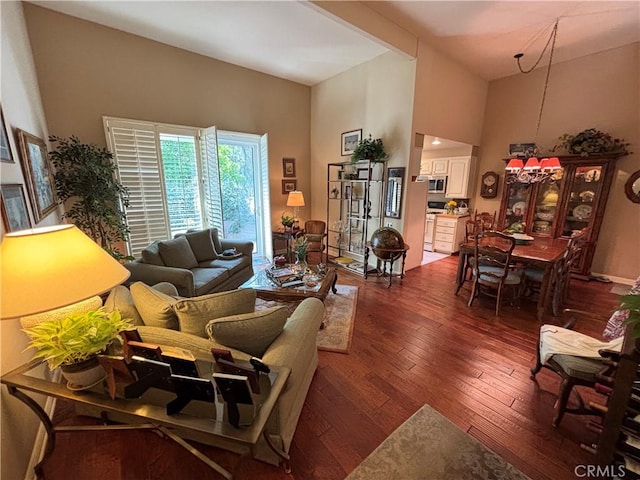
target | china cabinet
[
  {"x": 355, "y": 209},
  {"x": 573, "y": 199}
]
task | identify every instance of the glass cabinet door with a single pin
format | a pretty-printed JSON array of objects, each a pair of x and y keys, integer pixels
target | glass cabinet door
[
  {"x": 584, "y": 192},
  {"x": 517, "y": 202},
  {"x": 545, "y": 207}
]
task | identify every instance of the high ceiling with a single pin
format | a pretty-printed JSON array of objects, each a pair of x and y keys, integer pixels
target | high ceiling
[{"x": 297, "y": 41}]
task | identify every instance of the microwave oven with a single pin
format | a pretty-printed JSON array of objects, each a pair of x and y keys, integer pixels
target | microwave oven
[{"x": 437, "y": 185}]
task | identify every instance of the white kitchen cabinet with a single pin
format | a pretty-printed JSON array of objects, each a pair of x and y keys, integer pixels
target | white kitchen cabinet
[
  {"x": 460, "y": 177},
  {"x": 429, "y": 230},
  {"x": 436, "y": 167},
  {"x": 449, "y": 233}
]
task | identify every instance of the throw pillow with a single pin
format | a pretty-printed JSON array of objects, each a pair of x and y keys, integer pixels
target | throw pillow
[
  {"x": 177, "y": 253},
  {"x": 120, "y": 299},
  {"x": 154, "y": 306},
  {"x": 202, "y": 245},
  {"x": 216, "y": 240},
  {"x": 251, "y": 333},
  {"x": 194, "y": 313},
  {"x": 151, "y": 255}
]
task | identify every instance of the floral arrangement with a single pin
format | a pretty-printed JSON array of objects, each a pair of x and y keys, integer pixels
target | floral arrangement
[
  {"x": 592, "y": 141},
  {"x": 451, "y": 205}
]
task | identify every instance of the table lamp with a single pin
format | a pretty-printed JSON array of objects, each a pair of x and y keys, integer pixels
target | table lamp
[
  {"x": 295, "y": 200},
  {"x": 51, "y": 267}
]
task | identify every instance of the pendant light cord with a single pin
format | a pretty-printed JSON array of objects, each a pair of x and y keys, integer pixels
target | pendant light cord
[{"x": 552, "y": 41}]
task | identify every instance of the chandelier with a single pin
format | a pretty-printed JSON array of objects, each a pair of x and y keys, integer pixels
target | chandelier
[{"x": 534, "y": 171}]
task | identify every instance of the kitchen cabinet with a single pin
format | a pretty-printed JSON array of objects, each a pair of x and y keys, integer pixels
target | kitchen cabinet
[
  {"x": 573, "y": 199},
  {"x": 355, "y": 194},
  {"x": 429, "y": 230},
  {"x": 436, "y": 167},
  {"x": 460, "y": 177},
  {"x": 449, "y": 233}
]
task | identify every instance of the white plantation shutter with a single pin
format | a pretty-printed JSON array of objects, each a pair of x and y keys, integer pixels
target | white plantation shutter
[
  {"x": 212, "y": 195},
  {"x": 263, "y": 187},
  {"x": 136, "y": 150}
]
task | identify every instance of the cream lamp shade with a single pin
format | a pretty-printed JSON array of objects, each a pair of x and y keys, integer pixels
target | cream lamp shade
[
  {"x": 295, "y": 199},
  {"x": 50, "y": 267}
]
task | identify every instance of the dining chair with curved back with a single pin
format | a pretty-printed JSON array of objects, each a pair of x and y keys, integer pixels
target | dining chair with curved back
[
  {"x": 486, "y": 220},
  {"x": 492, "y": 269},
  {"x": 562, "y": 272},
  {"x": 315, "y": 233}
]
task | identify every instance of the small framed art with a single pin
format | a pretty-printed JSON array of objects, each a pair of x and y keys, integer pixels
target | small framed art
[
  {"x": 289, "y": 186},
  {"x": 6, "y": 152},
  {"x": 38, "y": 174},
  {"x": 14, "y": 208},
  {"x": 349, "y": 141},
  {"x": 288, "y": 167}
]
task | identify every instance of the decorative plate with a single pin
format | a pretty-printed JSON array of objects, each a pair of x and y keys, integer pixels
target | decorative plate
[
  {"x": 582, "y": 212},
  {"x": 587, "y": 196},
  {"x": 519, "y": 206},
  {"x": 592, "y": 175}
]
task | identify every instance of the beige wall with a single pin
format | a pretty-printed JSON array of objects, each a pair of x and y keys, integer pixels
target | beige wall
[
  {"x": 599, "y": 91},
  {"x": 376, "y": 96},
  {"x": 22, "y": 108},
  {"x": 449, "y": 103},
  {"x": 86, "y": 71}
]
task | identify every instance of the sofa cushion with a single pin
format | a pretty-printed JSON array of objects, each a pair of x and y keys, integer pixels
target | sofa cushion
[
  {"x": 216, "y": 240},
  {"x": 120, "y": 299},
  {"x": 84, "y": 306},
  {"x": 154, "y": 306},
  {"x": 250, "y": 332},
  {"x": 151, "y": 254},
  {"x": 202, "y": 245},
  {"x": 194, "y": 313},
  {"x": 207, "y": 279},
  {"x": 177, "y": 253},
  {"x": 234, "y": 265}
]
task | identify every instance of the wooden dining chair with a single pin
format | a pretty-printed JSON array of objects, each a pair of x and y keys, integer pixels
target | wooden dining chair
[
  {"x": 315, "y": 233},
  {"x": 583, "y": 362},
  {"x": 562, "y": 272},
  {"x": 485, "y": 220},
  {"x": 492, "y": 270}
]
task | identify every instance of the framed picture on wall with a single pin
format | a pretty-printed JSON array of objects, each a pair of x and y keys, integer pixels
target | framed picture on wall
[
  {"x": 288, "y": 167},
  {"x": 349, "y": 141},
  {"x": 38, "y": 174},
  {"x": 289, "y": 186},
  {"x": 6, "y": 151},
  {"x": 14, "y": 208}
]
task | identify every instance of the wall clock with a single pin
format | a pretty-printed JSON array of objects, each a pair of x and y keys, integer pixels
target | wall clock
[{"x": 489, "y": 186}]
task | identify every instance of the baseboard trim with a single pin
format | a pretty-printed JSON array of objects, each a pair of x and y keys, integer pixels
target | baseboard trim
[
  {"x": 623, "y": 281},
  {"x": 40, "y": 442}
]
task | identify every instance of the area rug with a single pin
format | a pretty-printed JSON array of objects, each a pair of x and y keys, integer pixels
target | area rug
[
  {"x": 428, "y": 446},
  {"x": 339, "y": 316}
]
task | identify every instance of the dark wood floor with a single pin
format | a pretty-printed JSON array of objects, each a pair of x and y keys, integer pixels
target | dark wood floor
[{"x": 413, "y": 344}]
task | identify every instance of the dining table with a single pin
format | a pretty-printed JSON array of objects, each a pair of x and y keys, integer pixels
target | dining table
[{"x": 541, "y": 252}]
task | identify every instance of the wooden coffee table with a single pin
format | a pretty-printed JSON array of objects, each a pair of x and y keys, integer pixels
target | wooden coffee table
[{"x": 267, "y": 290}]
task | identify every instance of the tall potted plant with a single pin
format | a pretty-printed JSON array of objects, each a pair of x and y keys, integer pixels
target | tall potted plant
[{"x": 86, "y": 183}]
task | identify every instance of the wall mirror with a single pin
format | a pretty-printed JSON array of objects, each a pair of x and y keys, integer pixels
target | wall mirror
[
  {"x": 393, "y": 200},
  {"x": 632, "y": 187}
]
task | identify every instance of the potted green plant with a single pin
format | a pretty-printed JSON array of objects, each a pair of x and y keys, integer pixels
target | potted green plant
[
  {"x": 287, "y": 220},
  {"x": 87, "y": 185},
  {"x": 369, "y": 149},
  {"x": 592, "y": 141},
  {"x": 73, "y": 342}
]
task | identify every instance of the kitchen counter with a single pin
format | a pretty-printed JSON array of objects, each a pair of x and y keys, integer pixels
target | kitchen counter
[{"x": 455, "y": 215}]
